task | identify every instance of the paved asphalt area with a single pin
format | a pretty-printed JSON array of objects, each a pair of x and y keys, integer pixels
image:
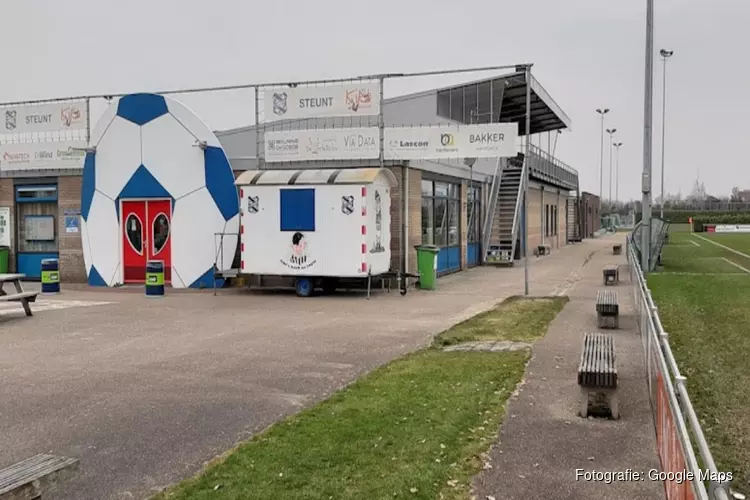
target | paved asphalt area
[
  {"x": 145, "y": 391},
  {"x": 543, "y": 440}
]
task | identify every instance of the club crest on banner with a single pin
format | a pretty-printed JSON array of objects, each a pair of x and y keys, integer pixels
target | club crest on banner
[
  {"x": 280, "y": 105},
  {"x": 10, "y": 119}
]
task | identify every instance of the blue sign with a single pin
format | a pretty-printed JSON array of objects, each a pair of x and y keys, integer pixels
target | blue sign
[{"x": 73, "y": 221}]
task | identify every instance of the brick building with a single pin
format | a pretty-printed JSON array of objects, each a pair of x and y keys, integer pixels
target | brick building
[{"x": 469, "y": 212}]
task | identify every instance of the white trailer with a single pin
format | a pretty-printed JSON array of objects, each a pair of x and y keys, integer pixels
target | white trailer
[{"x": 316, "y": 225}]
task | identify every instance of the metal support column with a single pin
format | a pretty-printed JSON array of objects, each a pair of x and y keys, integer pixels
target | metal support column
[
  {"x": 648, "y": 105},
  {"x": 527, "y": 152}
]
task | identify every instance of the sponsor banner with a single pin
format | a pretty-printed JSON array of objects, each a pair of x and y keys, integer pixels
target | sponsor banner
[
  {"x": 35, "y": 155},
  {"x": 359, "y": 99},
  {"x": 736, "y": 228},
  {"x": 466, "y": 141},
  {"x": 43, "y": 118},
  {"x": 329, "y": 144}
]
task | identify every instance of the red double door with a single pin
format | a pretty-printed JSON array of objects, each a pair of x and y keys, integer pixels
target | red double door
[{"x": 146, "y": 229}]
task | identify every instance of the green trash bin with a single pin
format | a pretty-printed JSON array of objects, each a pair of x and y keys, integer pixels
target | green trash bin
[
  {"x": 4, "y": 252},
  {"x": 427, "y": 257}
]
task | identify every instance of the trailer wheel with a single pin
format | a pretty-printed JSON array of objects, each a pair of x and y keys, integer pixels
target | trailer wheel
[
  {"x": 304, "y": 287},
  {"x": 403, "y": 291}
]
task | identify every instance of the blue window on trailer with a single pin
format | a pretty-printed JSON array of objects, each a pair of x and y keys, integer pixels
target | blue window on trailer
[{"x": 298, "y": 210}]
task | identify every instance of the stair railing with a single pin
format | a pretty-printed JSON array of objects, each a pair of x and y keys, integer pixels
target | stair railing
[
  {"x": 491, "y": 205},
  {"x": 519, "y": 200}
]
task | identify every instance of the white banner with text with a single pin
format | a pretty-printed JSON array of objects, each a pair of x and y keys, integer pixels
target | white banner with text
[
  {"x": 734, "y": 228},
  {"x": 43, "y": 118},
  {"x": 34, "y": 155},
  {"x": 448, "y": 141},
  {"x": 323, "y": 144},
  {"x": 360, "y": 99}
]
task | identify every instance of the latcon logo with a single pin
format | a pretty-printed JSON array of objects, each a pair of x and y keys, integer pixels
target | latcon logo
[
  {"x": 486, "y": 138},
  {"x": 446, "y": 139}
]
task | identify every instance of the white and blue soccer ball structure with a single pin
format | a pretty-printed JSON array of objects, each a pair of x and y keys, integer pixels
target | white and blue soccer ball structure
[{"x": 150, "y": 146}]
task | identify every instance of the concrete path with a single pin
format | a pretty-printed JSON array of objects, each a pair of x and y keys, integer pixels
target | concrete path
[
  {"x": 145, "y": 391},
  {"x": 543, "y": 440}
]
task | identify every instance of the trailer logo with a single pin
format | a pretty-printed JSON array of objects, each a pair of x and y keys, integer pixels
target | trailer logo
[
  {"x": 10, "y": 119},
  {"x": 298, "y": 258},
  {"x": 347, "y": 205},
  {"x": 378, "y": 246},
  {"x": 279, "y": 103},
  {"x": 252, "y": 204}
]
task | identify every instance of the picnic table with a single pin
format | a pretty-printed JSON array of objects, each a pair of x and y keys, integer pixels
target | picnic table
[{"x": 25, "y": 298}]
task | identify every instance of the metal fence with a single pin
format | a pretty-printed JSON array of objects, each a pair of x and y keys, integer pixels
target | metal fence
[{"x": 678, "y": 431}]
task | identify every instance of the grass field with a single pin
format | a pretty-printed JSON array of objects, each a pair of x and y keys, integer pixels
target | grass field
[
  {"x": 415, "y": 428},
  {"x": 704, "y": 302}
]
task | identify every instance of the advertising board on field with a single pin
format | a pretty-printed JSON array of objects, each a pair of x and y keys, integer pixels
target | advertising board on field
[
  {"x": 732, "y": 228},
  {"x": 50, "y": 117},
  {"x": 448, "y": 141},
  {"x": 356, "y": 99},
  {"x": 36, "y": 155}
]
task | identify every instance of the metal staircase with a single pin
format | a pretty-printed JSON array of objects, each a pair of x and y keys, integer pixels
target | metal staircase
[
  {"x": 504, "y": 213},
  {"x": 574, "y": 222}
]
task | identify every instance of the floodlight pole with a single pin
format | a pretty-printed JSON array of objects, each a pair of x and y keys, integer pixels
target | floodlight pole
[
  {"x": 665, "y": 54},
  {"x": 527, "y": 161},
  {"x": 602, "y": 112},
  {"x": 648, "y": 109}
]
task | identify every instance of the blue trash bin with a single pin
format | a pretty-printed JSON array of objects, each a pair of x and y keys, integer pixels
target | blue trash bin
[
  {"x": 50, "y": 276},
  {"x": 155, "y": 278}
]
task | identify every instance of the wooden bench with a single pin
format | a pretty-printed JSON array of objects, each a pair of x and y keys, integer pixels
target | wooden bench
[
  {"x": 597, "y": 373},
  {"x": 25, "y": 298},
  {"x": 611, "y": 274},
  {"x": 607, "y": 309},
  {"x": 616, "y": 249},
  {"x": 29, "y": 479}
]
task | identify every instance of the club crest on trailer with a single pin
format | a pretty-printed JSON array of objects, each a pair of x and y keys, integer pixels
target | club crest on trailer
[
  {"x": 347, "y": 205},
  {"x": 253, "y": 204}
]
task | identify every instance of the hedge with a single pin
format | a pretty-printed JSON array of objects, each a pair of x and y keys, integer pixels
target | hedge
[{"x": 705, "y": 217}]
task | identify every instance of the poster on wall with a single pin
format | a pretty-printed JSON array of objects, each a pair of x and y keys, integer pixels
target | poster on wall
[
  {"x": 39, "y": 227},
  {"x": 51, "y": 117},
  {"x": 356, "y": 99},
  {"x": 325, "y": 144},
  {"x": 446, "y": 141},
  {"x": 42, "y": 155},
  {"x": 72, "y": 221},
  {"x": 5, "y": 229}
]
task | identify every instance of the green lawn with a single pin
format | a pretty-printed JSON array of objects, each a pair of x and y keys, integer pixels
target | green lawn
[
  {"x": 411, "y": 429},
  {"x": 516, "y": 318},
  {"x": 708, "y": 318}
]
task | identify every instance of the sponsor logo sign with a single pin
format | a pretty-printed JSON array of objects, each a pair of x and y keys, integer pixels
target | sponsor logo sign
[
  {"x": 334, "y": 100},
  {"x": 732, "y": 228},
  {"x": 30, "y": 156},
  {"x": 328, "y": 144},
  {"x": 467, "y": 141},
  {"x": 43, "y": 118}
]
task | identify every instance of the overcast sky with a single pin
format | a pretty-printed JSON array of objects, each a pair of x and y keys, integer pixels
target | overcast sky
[{"x": 587, "y": 53}]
